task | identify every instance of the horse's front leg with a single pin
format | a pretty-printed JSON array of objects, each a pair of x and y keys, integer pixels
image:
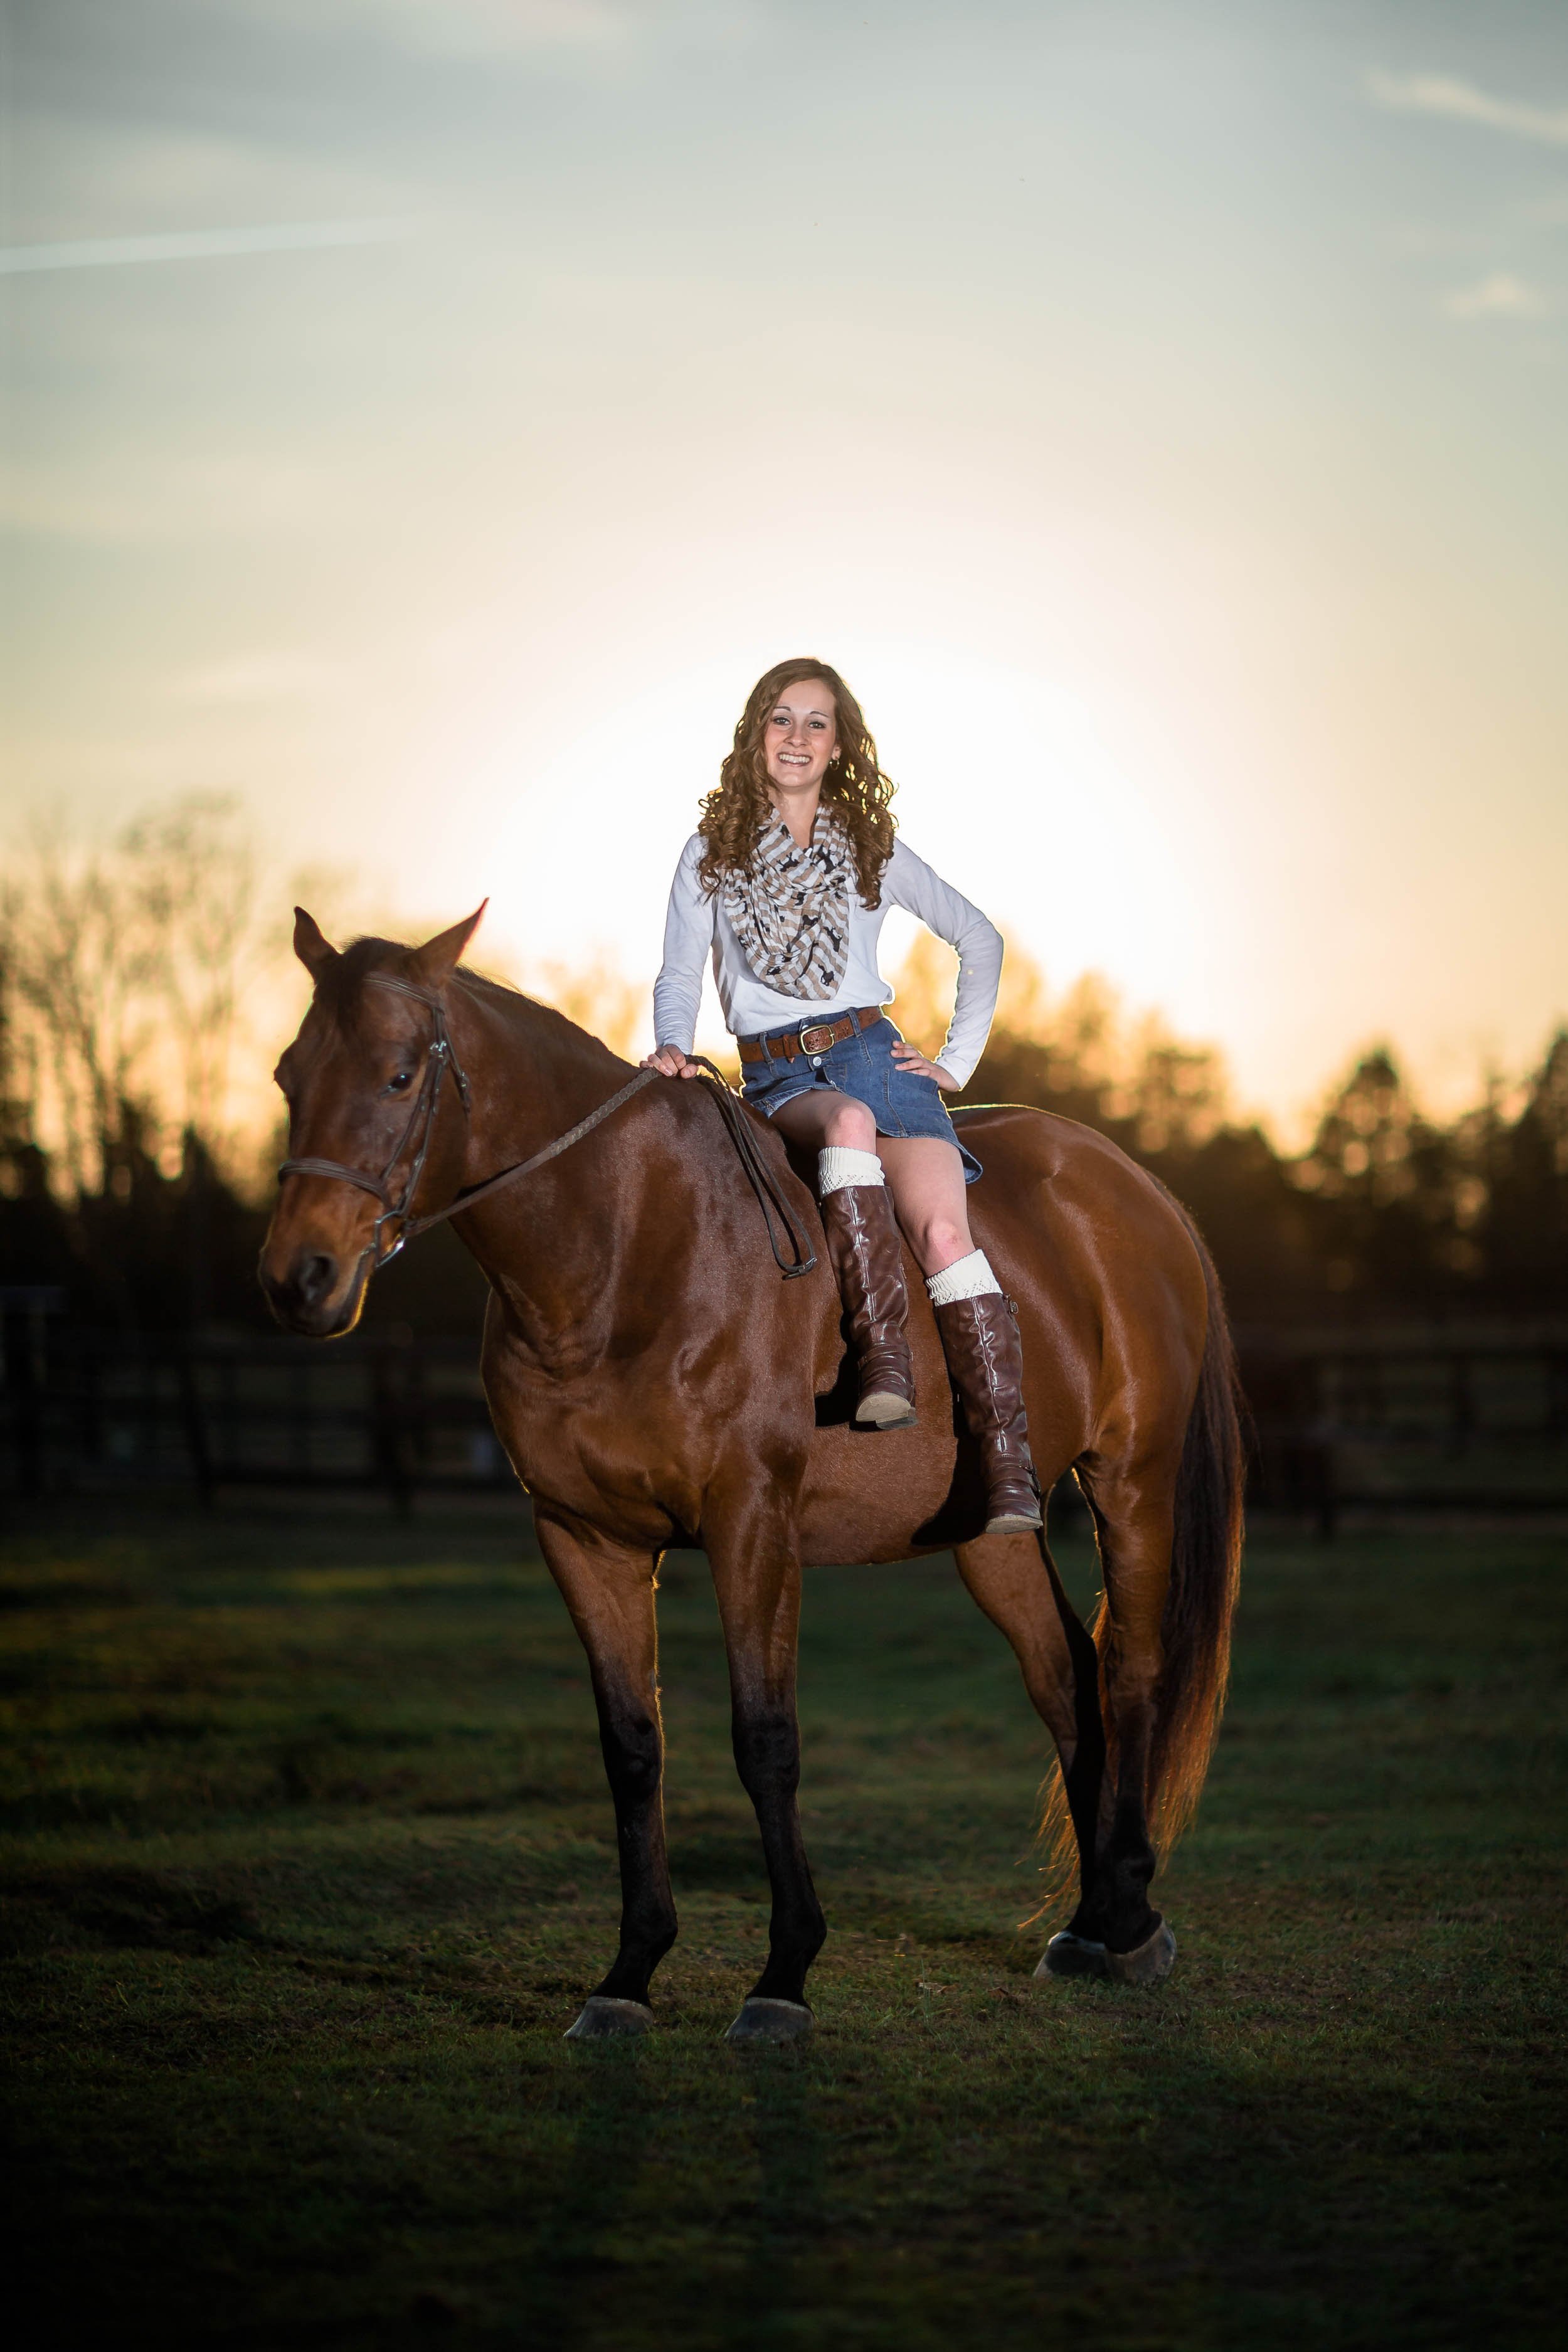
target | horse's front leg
[
  {"x": 609, "y": 1590},
  {"x": 753, "y": 1550}
]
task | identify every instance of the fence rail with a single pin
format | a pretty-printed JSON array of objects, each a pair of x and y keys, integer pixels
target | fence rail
[
  {"x": 1474, "y": 1419},
  {"x": 1340, "y": 1420},
  {"x": 85, "y": 1410}
]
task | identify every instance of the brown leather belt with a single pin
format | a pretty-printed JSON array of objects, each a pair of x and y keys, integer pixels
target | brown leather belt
[{"x": 814, "y": 1038}]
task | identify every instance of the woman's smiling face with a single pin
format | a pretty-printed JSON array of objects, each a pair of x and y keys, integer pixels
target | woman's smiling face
[{"x": 800, "y": 741}]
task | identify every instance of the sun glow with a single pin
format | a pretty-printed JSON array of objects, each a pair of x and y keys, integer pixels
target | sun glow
[
  {"x": 1191, "y": 547},
  {"x": 1005, "y": 785}
]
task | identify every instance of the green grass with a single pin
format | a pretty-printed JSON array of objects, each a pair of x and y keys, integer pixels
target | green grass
[{"x": 307, "y": 1861}]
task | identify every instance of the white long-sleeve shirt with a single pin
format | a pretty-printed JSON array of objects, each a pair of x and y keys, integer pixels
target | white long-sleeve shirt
[{"x": 698, "y": 929}]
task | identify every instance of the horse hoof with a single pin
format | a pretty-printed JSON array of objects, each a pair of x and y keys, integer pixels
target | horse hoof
[
  {"x": 1078, "y": 1956},
  {"x": 1150, "y": 1964},
  {"x": 604, "y": 2018},
  {"x": 1068, "y": 1955},
  {"x": 763, "y": 2019}
]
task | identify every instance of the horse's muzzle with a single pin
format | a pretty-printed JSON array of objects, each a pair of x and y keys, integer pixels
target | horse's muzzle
[{"x": 313, "y": 1292}]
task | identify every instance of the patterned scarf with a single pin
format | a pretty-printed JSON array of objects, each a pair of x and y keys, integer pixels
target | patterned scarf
[{"x": 791, "y": 910}]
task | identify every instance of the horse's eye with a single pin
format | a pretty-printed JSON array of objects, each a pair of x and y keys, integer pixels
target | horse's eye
[{"x": 401, "y": 1083}]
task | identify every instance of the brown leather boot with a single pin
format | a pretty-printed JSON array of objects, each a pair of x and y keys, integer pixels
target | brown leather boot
[
  {"x": 867, "y": 1258},
  {"x": 980, "y": 1340}
]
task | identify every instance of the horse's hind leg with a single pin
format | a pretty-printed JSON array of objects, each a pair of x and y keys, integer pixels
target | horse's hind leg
[
  {"x": 1013, "y": 1580},
  {"x": 609, "y": 1590},
  {"x": 1134, "y": 1515}
]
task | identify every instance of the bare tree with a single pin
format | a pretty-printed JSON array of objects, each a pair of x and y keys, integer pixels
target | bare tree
[
  {"x": 189, "y": 874},
  {"x": 79, "y": 996},
  {"x": 124, "y": 972}
]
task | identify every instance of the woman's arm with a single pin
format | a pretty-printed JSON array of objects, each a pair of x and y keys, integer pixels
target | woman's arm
[
  {"x": 910, "y": 883},
  {"x": 678, "y": 991}
]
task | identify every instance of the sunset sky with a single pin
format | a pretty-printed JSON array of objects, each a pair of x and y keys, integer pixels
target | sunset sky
[{"x": 426, "y": 417}]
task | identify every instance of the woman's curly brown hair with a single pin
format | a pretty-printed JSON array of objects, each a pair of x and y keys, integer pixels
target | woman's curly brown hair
[{"x": 854, "y": 788}]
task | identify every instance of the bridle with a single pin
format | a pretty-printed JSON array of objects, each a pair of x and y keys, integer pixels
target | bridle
[
  {"x": 420, "y": 1127},
  {"x": 420, "y": 1124}
]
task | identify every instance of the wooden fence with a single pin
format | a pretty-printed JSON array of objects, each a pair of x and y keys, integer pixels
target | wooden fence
[
  {"x": 1459, "y": 1416},
  {"x": 86, "y": 1409},
  {"x": 1419, "y": 1416}
]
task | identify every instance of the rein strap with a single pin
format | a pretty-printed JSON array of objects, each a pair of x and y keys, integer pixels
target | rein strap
[
  {"x": 472, "y": 1199},
  {"x": 777, "y": 1214}
]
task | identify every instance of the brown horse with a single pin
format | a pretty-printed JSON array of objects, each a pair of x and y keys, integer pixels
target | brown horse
[{"x": 656, "y": 1382}]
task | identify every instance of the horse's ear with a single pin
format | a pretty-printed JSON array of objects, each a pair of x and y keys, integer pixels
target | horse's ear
[
  {"x": 434, "y": 961},
  {"x": 311, "y": 945}
]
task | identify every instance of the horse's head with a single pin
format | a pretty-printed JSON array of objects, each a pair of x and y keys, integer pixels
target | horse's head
[{"x": 354, "y": 1079}]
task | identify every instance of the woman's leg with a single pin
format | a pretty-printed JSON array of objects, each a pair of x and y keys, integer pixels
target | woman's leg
[
  {"x": 863, "y": 1247},
  {"x": 978, "y": 1330},
  {"x": 925, "y": 1177},
  {"x": 827, "y": 1117}
]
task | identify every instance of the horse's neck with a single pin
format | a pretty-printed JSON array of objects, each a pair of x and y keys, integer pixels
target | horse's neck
[
  {"x": 534, "y": 1074},
  {"x": 534, "y": 1071}
]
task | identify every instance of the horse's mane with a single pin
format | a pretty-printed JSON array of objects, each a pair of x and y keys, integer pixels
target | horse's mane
[
  {"x": 558, "y": 1026},
  {"x": 340, "y": 985},
  {"x": 342, "y": 988},
  {"x": 487, "y": 979}
]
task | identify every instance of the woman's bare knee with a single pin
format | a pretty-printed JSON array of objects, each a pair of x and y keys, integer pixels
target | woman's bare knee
[
  {"x": 939, "y": 1242},
  {"x": 850, "y": 1126}
]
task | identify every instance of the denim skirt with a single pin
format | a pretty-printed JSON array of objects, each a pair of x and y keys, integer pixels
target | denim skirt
[{"x": 862, "y": 1064}]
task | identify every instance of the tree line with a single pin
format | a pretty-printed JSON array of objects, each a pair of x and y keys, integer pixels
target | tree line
[
  {"x": 1386, "y": 1212},
  {"x": 136, "y": 1147}
]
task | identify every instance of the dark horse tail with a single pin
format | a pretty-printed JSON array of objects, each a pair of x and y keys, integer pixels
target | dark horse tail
[
  {"x": 1205, "y": 1573},
  {"x": 1200, "y": 1601}
]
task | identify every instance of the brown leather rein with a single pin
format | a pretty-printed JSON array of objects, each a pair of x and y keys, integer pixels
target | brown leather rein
[{"x": 417, "y": 1135}]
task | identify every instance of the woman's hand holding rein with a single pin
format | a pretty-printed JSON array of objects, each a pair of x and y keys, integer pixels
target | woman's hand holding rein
[{"x": 670, "y": 1062}]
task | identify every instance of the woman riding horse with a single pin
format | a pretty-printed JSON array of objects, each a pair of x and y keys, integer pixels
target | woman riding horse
[
  {"x": 784, "y": 885},
  {"x": 658, "y": 1376}
]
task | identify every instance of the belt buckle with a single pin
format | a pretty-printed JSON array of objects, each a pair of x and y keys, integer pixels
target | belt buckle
[{"x": 817, "y": 1038}]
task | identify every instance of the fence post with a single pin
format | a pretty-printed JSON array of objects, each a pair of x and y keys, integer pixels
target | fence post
[
  {"x": 1317, "y": 1452},
  {"x": 24, "y": 1390},
  {"x": 194, "y": 1426},
  {"x": 1461, "y": 1405},
  {"x": 24, "y": 1307},
  {"x": 1557, "y": 1392},
  {"x": 388, "y": 1433}
]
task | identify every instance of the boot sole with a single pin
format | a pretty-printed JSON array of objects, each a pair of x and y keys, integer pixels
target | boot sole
[
  {"x": 1014, "y": 1523},
  {"x": 884, "y": 1411}
]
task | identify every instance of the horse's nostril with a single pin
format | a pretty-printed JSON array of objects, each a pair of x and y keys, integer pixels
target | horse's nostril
[{"x": 317, "y": 1272}]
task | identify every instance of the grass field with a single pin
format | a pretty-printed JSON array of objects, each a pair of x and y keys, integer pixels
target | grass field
[{"x": 307, "y": 1861}]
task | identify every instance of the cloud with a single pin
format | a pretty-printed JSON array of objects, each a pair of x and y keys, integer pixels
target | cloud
[
  {"x": 1496, "y": 297},
  {"x": 482, "y": 29},
  {"x": 198, "y": 244},
  {"x": 469, "y": 29},
  {"x": 1461, "y": 101}
]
